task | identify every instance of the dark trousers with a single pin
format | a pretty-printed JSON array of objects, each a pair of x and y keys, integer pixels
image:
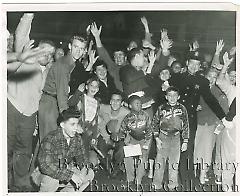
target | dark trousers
[
  {"x": 186, "y": 167},
  {"x": 47, "y": 115},
  {"x": 118, "y": 154},
  {"x": 20, "y": 130}
]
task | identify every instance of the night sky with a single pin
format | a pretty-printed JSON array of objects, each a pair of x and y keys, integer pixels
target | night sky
[{"x": 120, "y": 27}]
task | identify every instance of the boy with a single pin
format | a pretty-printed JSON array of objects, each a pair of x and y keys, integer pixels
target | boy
[
  {"x": 170, "y": 120},
  {"x": 136, "y": 129}
]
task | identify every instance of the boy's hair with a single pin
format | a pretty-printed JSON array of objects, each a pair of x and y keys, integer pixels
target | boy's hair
[
  {"x": 94, "y": 78},
  {"x": 99, "y": 63},
  {"x": 172, "y": 88},
  {"x": 133, "y": 98},
  {"x": 81, "y": 38},
  {"x": 132, "y": 53},
  {"x": 117, "y": 92},
  {"x": 71, "y": 112},
  {"x": 50, "y": 42},
  {"x": 176, "y": 62}
]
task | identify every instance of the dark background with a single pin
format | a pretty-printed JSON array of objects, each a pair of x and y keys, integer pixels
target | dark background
[{"x": 119, "y": 27}]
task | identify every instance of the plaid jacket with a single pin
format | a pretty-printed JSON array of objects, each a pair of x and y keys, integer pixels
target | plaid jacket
[{"x": 55, "y": 155}]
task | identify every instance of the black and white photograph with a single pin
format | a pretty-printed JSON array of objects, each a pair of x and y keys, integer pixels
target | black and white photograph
[{"x": 119, "y": 97}]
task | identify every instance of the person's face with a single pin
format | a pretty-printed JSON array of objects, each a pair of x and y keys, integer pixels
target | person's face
[
  {"x": 70, "y": 127},
  {"x": 164, "y": 75},
  {"x": 77, "y": 49},
  {"x": 139, "y": 60},
  {"x": 176, "y": 67},
  {"x": 232, "y": 77},
  {"x": 116, "y": 102},
  {"x": 92, "y": 88},
  {"x": 119, "y": 58},
  {"x": 58, "y": 54},
  {"x": 208, "y": 58},
  {"x": 172, "y": 97},
  {"x": 101, "y": 72},
  {"x": 132, "y": 45},
  {"x": 212, "y": 77},
  {"x": 193, "y": 66},
  {"x": 136, "y": 105},
  {"x": 46, "y": 58}
]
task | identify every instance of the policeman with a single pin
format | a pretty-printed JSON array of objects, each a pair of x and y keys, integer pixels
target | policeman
[{"x": 192, "y": 85}]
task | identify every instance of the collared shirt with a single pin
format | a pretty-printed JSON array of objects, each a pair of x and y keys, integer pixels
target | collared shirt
[
  {"x": 167, "y": 111},
  {"x": 58, "y": 79},
  {"x": 55, "y": 154},
  {"x": 24, "y": 88}
]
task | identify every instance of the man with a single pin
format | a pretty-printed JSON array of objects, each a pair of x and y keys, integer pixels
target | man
[
  {"x": 192, "y": 86},
  {"x": 113, "y": 66},
  {"x": 107, "y": 85},
  {"x": 134, "y": 80},
  {"x": 55, "y": 92},
  {"x": 24, "y": 92},
  {"x": 111, "y": 117},
  {"x": 62, "y": 157}
]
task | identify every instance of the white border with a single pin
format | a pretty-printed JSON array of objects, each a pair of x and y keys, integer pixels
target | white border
[{"x": 98, "y": 6}]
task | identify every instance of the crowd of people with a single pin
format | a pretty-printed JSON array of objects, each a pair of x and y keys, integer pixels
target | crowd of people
[{"x": 144, "y": 106}]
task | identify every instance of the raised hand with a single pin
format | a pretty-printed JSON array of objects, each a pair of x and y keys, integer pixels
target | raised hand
[
  {"x": 226, "y": 59},
  {"x": 195, "y": 45},
  {"x": 232, "y": 51},
  {"x": 92, "y": 58},
  {"x": 219, "y": 46},
  {"x": 151, "y": 57},
  {"x": 95, "y": 31},
  {"x": 29, "y": 56},
  {"x": 144, "y": 21},
  {"x": 166, "y": 44},
  {"x": 164, "y": 34}
]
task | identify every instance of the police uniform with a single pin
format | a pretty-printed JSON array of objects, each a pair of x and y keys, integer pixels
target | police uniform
[{"x": 191, "y": 87}]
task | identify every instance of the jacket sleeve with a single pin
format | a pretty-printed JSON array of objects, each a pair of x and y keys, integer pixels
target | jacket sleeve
[
  {"x": 22, "y": 32},
  {"x": 211, "y": 100},
  {"x": 156, "y": 121},
  {"x": 75, "y": 98},
  {"x": 62, "y": 79},
  {"x": 185, "y": 125},
  {"x": 104, "y": 55},
  {"x": 232, "y": 111},
  {"x": 149, "y": 130},
  {"x": 162, "y": 62},
  {"x": 47, "y": 165},
  {"x": 81, "y": 157},
  {"x": 123, "y": 128}
]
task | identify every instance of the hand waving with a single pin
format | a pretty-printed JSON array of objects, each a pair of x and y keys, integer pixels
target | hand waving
[
  {"x": 144, "y": 21},
  {"x": 95, "y": 31},
  {"x": 219, "y": 46},
  {"x": 226, "y": 59}
]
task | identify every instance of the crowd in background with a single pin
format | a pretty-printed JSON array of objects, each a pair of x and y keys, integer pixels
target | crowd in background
[{"x": 87, "y": 106}]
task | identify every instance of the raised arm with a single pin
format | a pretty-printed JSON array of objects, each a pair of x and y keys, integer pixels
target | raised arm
[
  {"x": 223, "y": 81},
  {"x": 148, "y": 35},
  {"x": 216, "y": 61},
  {"x": 22, "y": 32},
  {"x": 102, "y": 52}
]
